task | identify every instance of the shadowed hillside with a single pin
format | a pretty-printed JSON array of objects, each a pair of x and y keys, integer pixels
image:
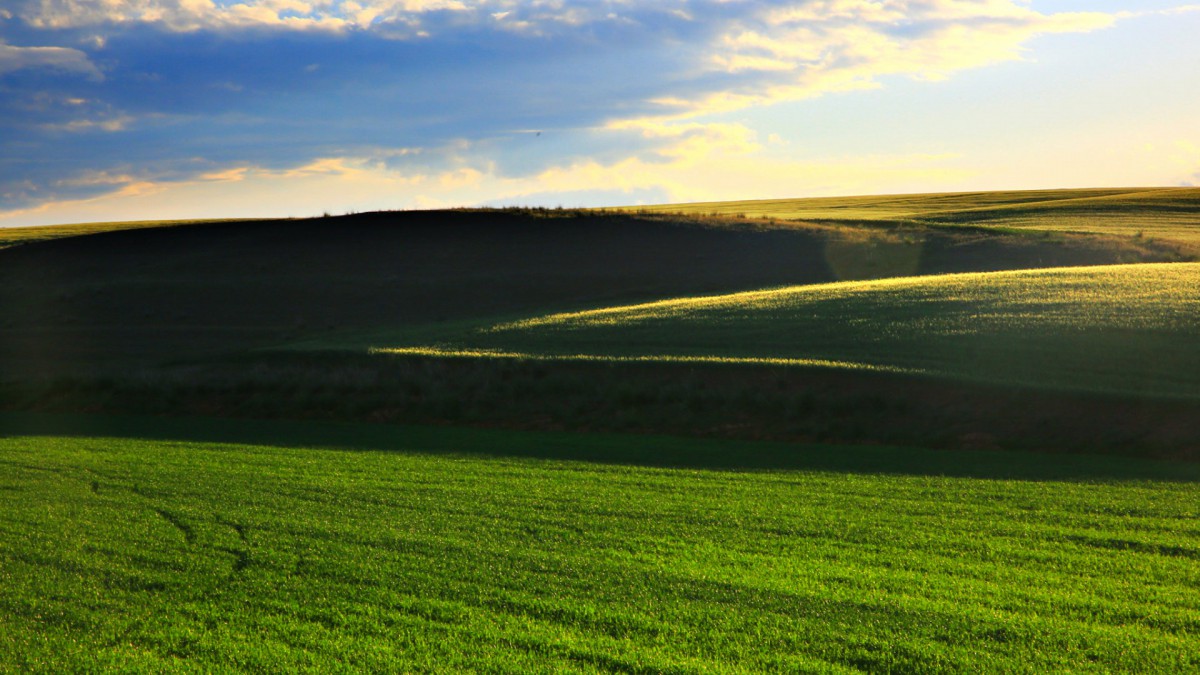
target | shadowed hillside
[
  {"x": 109, "y": 300},
  {"x": 175, "y": 320}
]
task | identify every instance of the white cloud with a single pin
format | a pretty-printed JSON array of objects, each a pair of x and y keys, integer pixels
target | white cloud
[
  {"x": 1173, "y": 11},
  {"x": 776, "y": 51},
  {"x": 193, "y": 15},
  {"x": 110, "y": 124},
  {"x": 1184, "y": 156},
  {"x": 839, "y": 45}
]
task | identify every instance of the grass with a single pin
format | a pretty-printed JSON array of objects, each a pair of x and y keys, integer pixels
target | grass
[
  {"x": 1128, "y": 329},
  {"x": 203, "y": 545},
  {"x": 179, "y": 320},
  {"x": 1164, "y": 213},
  {"x": 110, "y": 302},
  {"x": 459, "y": 550},
  {"x": 12, "y": 236}
]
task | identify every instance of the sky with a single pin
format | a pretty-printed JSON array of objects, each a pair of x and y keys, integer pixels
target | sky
[{"x": 114, "y": 110}]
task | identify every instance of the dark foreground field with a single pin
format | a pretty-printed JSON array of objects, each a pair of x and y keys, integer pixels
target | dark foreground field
[{"x": 136, "y": 544}]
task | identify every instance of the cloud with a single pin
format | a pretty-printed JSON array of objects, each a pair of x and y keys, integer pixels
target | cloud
[
  {"x": 808, "y": 49},
  {"x": 62, "y": 59},
  {"x": 1171, "y": 11},
  {"x": 196, "y": 88},
  {"x": 1186, "y": 156},
  {"x": 681, "y": 171}
]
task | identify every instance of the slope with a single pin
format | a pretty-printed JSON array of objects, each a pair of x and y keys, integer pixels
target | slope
[
  {"x": 1127, "y": 329},
  {"x": 108, "y": 302}
]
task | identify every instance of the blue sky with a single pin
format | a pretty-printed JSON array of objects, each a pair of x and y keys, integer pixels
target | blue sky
[{"x": 147, "y": 109}]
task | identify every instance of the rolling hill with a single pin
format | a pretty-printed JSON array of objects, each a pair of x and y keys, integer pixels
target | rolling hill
[
  {"x": 276, "y": 319},
  {"x": 108, "y": 301},
  {"x": 1127, "y": 329},
  {"x": 807, "y": 477}
]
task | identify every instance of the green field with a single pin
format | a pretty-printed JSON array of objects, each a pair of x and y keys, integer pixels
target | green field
[
  {"x": 1166, "y": 213},
  {"x": 885, "y": 434},
  {"x": 1127, "y": 329},
  {"x": 450, "y": 550}
]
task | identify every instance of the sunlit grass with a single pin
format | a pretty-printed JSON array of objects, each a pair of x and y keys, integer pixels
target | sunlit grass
[
  {"x": 451, "y": 352},
  {"x": 1124, "y": 328},
  {"x": 1163, "y": 213},
  {"x": 11, "y": 236},
  {"x": 446, "y": 555}
]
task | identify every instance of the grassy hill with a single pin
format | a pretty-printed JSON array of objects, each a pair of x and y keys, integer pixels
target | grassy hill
[
  {"x": 418, "y": 549},
  {"x": 1128, "y": 329},
  {"x": 192, "y": 319},
  {"x": 106, "y": 302},
  {"x": 1165, "y": 213},
  {"x": 488, "y": 520}
]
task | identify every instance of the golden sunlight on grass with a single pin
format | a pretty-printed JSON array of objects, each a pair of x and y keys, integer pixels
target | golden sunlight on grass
[
  {"x": 1125, "y": 328},
  {"x": 450, "y": 352},
  {"x": 1164, "y": 213},
  {"x": 11, "y": 236}
]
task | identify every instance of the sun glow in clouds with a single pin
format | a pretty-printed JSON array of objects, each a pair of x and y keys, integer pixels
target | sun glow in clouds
[{"x": 191, "y": 108}]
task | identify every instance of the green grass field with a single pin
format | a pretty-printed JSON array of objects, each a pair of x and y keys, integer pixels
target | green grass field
[
  {"x": 1127, "y": 329},
  {"x": 443, "y": 550},
  {"x": 1165, "y": 213}
]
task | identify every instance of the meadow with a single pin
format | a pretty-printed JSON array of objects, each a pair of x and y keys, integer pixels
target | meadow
[
  {"x": 342, "y": 548},
  {"x": 1127, "y": 329}
]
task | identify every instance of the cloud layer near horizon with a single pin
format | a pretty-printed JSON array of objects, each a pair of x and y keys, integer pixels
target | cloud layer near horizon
[{"x": 101, "y": 97}]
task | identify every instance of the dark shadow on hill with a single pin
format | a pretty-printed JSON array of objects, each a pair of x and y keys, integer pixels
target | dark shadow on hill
[
  {"x": 613, "y": 449},
  {"x": 103, "y": 302},
  {"x": 798, "y": 405}
]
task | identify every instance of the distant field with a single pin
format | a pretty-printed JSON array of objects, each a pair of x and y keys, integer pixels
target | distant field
[
  {"x": 1165, "y": 213},
  {"x": 10, "y": 236},
  {"x": 463, "y": 551},
  {"x": 1129, "y": 329}
]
